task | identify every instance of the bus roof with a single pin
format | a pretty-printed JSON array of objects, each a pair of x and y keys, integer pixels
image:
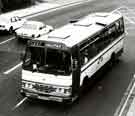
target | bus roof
[{"x": 75, "y": 33}]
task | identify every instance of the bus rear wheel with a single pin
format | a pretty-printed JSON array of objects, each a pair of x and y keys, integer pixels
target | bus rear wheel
[
  {"x": 23, "y": 94},
  {"x": 85, "y": 86},
  {"x": 113, "y": 59}
]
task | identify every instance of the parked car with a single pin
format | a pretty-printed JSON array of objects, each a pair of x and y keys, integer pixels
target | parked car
[
  {"x": 10, "y": 24},
  {"x": 33, "y": 29}
]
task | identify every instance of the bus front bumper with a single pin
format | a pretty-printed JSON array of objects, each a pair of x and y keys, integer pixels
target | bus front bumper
[{"x": 46, "y": 97}]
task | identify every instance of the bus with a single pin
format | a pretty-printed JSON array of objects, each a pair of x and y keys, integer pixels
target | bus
[{"x": 56, "y": 66}]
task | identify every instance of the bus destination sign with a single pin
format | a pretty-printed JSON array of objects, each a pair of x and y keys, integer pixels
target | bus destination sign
[{"x": 47, "y": 44}]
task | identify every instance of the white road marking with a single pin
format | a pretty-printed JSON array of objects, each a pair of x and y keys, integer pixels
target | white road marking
[
  {"x": 17, "y": 105},
  {"x": 130, "y": 28},
  {"x": 127, "y": 9},
  {"x": 123, "y": 103},
  {"x": 131, "y": 21},
  {"x": 13, "y": 68},
  {"x": 57, "y": 8},
  {"x": 7, "y": 40}
]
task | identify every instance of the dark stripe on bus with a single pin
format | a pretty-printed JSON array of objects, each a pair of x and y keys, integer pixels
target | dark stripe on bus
[{"x": 101, "y": 55}]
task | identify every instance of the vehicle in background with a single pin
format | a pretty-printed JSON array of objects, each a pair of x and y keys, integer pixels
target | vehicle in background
[
  {"x": 10, "y": 24},
  {"x": 56, "y": 66},
  {"x": 33, "y": 29}
]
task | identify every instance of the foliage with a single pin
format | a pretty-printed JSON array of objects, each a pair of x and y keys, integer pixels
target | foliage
[{"x": 8, "y": 5}]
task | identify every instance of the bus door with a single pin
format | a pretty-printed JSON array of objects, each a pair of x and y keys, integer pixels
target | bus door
[{"x": 76, "y": 69}]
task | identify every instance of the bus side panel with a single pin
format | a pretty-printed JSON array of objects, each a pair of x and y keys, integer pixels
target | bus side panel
[
  {"x": 116, "y": 48},
  {"x": 102, "y": 58}
]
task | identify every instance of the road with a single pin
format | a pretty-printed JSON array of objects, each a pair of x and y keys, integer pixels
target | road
[{"x": 103, "y": 97}]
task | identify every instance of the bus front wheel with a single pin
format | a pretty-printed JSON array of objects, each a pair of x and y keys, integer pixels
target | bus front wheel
[
  {"x": 23, "y": 94},
  {"x": 11, "y": 30}
]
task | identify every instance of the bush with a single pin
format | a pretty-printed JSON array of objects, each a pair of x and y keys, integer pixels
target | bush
[{"x": 8, "y": 5}]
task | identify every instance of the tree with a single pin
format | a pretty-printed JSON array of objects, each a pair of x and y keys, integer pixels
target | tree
[{"x": 15, "y": 4}]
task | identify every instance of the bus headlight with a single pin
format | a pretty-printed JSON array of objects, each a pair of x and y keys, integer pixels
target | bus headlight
[
  {"x": 27, "y": 85},
  {"x": 66, "y": 91}
]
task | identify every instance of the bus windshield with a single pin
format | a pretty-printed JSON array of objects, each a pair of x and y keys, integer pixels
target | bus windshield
[{"x": 47, "y": 60}]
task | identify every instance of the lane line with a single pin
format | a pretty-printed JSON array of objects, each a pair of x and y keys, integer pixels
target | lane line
[
  {"x": 127, "y": 94},
  {"x": 18, "y": 104},
  {"x": 127, "y": 9},
  {"x": 123, "y": 108},
  {"x": 130, "y": 20},
  {"x": 13, "y": 68},
  {"x": 126, "y": 17},
  {"x": 131, "y": 28},
  {"x": 58, "y": 8},
  {"x": 7, "y": 40}
]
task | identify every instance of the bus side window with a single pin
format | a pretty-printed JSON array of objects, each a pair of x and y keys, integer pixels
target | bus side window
[
  {"x": 84, "y": 56},
  {"x": 92, "y": 51},
  {"x": 112, "y": 32},
  {"x": 100, "y": 43},
  {"x": 105, "y": 39},
  {"x": 119, "y": 27}
]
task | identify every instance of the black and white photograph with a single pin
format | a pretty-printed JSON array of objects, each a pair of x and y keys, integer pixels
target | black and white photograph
[{"x": 67, "y": 58}]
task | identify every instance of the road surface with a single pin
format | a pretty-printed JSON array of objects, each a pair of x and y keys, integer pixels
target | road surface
[{"x": 102, "y": 99}]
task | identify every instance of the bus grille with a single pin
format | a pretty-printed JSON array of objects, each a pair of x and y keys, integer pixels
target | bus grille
[{"x": 44, "y": 88}]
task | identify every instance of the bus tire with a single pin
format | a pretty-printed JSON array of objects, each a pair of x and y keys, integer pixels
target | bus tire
[
  {"x": 67, "y": 102},
  {"x": 113, "y": 59},
  {"x": 85, "y": 84},
  {"x": 11, "y": 30},
  {"x": 23, "y": 94}
]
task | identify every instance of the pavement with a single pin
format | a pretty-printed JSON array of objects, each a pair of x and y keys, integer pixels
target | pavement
[
  {"x": 130, "y": 111},
  {"x": 127, "y": 107},
  {"x": 127, "y": 104},
  {"x": 45, "y": 5}
]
